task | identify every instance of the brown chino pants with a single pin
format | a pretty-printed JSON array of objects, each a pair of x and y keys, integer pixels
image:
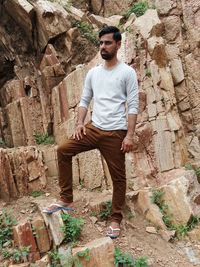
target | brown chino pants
[{"x": 109, "y": 144}]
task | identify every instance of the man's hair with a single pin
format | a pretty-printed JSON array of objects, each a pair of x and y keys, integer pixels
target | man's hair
[{"x": 111, "y": 29}]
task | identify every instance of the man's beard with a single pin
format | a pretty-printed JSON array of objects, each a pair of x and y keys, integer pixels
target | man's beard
[{"x": 107, "y": 56}]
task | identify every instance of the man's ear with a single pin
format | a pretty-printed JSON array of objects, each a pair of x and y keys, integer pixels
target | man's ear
[{"x": 119, "y": 44}]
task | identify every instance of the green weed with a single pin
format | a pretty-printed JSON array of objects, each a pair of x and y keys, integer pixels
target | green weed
[
  {"x": 141, "y": 262},
  {"x": 87, "y": 32},
  {"x": 138, "y": 9},
  {"x": 189, "y": 166},
  {"x": 54, "y": 258},
  {"x": 126, "y": 260},
  {"x": 123, "y": 258},
  {"x": 72, "y": 227},
  {"x": 6, "y": 224},
  {"x": 106, "y": 211},
  {"x": 43, "y": 139},
  {"x": 17, "y": 255},
  {"x": 37, "y": 193},
  {"x": 148, "y": 72},
  {"x": 180, "y": 229}
]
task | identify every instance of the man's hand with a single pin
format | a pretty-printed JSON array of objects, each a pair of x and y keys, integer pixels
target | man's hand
[
  {"x": 79, "y": 132},
  {"x": 127, "y": 145}
]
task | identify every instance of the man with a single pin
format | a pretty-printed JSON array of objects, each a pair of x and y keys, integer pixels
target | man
[{"x": 111, "y": 85}]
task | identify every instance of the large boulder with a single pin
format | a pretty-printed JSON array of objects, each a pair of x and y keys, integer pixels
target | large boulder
[{"x": 52, "y": 20}]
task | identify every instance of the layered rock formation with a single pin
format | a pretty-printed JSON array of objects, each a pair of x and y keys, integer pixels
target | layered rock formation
[{"x": 45, "y": 59}]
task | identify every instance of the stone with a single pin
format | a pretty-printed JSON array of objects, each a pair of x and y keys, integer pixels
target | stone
[
  {"x": 194, "y": 234},
  {"x": 193, "y": 147},
  {"x": 172, "y": 51},
  {"x": 181, "y": 91},
  {"x": 177, "y": 71},
  {"x": 148, "y": 24},
  {"x": 52, "y": 20},
  {"x": 167, "y": 235},
  {"x": 156, "y": 48},
  {"x": 41, "y": 235},
  {"x": 8, "y": 189},
  {"x": 179, "y": 195},
  {"x": 101, "y": 21},
  {"x": 43, "y": 262},
  {"x": 50, "y": 160},
  {"x": 101, "y": 252},
  {"x": 65, "y": 254},
  {"x": 151, "y": 230},
  {"x": 91, "y": 169},
  {"x": 163, "y": 145},
  {"x": 163, "y": 6},
  {"x": 149, "y": 209},
  {"x": 73, "y": 84},
  {"x": 109, "y": 7},
  {"x": 23, "y": 13},
  {"x": 54, "y": 222},
  {"x": 23, "y": 237},
  {"x": 97, "y": 205},
  {"x": 172, "y": 26}
]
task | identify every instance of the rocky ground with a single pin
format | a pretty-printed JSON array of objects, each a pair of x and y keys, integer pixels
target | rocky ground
[{"x": 135, "y": 237}]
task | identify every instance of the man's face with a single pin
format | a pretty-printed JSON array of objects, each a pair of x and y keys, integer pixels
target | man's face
[{"x": 108, "y": 46}]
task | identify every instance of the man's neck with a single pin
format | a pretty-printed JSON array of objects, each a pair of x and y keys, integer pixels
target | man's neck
[{"x": 111, "y": 63}]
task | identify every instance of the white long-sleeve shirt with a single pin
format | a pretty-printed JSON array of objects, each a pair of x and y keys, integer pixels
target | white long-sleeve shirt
[{"x": 111, "y": 89}]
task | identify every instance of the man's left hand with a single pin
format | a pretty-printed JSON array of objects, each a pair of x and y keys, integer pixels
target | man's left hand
[{"x": 127, "y": 145}]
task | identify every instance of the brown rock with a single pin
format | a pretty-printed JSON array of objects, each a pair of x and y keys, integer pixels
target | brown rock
[
  {"x": 23, "y": 13},
  {"x": 50, "y": 160},
  {"x": 101, "y": 253},
  {"x": 41, "y": 235},
  {"x": 179, "y": 195},
  {"x": 91, "y": 169},
  {"x": 52, "y": 20},
  {"x": 148, "y": 24},
  {"x": 177, "y": 71},
  {"x": 43, "y": 262},
  {"x": 23, "y": 237}
]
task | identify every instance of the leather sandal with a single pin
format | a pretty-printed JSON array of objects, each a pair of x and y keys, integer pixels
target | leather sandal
[
  {"x": 56, "y": 207},
  {"x": 113, "y": 232}
]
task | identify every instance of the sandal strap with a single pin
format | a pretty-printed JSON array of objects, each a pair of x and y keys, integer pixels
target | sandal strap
[{"x": 114, "y": 229}]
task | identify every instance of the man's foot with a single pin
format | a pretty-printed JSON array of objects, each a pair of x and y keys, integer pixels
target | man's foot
[
  {"x": 113, "y": 230},
  {"x": 60, "y": 205}
]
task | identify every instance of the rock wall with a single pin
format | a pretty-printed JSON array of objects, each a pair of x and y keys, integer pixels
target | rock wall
[{"x": 49, "y": 58}]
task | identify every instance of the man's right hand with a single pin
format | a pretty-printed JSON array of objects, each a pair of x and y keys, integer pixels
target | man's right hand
[{"x": 79, "y": 132}]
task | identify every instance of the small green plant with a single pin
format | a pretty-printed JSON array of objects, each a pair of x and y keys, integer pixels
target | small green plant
[
  {"x": 37, "y": 193},
  {"x": 72, "y": 227},
  {"x": 43, "y": 139},
  {"x": 17, "y": 255},
  {"x": 6, "y": 224},
  {"x": 87, "y": 31},
  {"x": 54, "y": 258},
  {"x": 138, "y": 8},
  {"x": 181, "y": 229},
  {"x": 123, "y": 258},
  {"x": 189, "y": 166},
  {"x": 141, "y": 262},
  {"x": 148, "y": 72},
  {"x": 106, "y": 211}
]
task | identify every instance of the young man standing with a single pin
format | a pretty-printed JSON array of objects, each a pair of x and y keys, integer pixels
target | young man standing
[{"x": 112, "y": 85}]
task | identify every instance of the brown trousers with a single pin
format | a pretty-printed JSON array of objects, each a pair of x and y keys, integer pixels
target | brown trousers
[{"x": 109, "y": 144}]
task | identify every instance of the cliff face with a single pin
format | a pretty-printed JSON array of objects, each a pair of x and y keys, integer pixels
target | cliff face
[{"x": 44, "y": 59}]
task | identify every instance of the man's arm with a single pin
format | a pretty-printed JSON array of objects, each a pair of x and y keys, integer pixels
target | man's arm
[
  {"x": 127, "y": 144},
  {"x": 83, "y": 107},
  {"x": 132, "y": 103},
  {"x": 80, "y": 128}
]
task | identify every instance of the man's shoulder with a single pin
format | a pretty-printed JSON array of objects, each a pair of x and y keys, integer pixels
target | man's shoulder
[{"x": 127, "y": 67}]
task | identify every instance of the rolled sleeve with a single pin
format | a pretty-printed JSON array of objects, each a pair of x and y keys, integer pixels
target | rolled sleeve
[{"x": 132, "y": 93}]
